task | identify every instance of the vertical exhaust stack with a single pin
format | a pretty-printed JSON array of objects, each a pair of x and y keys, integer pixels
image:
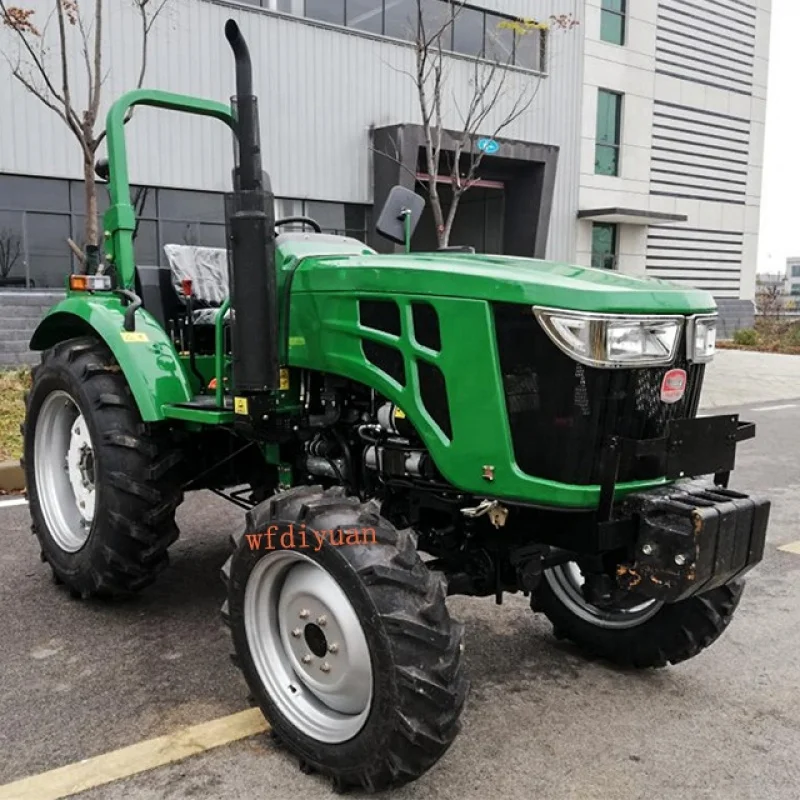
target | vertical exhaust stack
[{"x": 250, "y": 221}]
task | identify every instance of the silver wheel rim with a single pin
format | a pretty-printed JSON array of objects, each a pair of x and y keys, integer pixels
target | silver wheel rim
[
  {"x": 566, "y": 581},
  {"x": 308, "y": 646},
  {"x": 64, "y": 469}
]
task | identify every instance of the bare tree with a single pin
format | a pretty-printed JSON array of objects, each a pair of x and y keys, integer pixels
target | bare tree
[
  {"x": 10, "y": 251},
  {"x": 48, "y": 76},
  {"x": 488, "y": 112}
]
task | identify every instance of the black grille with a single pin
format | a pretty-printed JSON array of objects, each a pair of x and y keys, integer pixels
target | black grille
[{"x": 561, "y": 412}]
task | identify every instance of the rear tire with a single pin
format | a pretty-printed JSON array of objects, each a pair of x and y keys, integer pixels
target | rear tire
[
  {"x": 652, "y": 636},
  {"x": 393, "y": 708},
  {"x": 102, "y": 485}
]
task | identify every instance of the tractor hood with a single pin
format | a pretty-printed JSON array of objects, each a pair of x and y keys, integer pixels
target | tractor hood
[{"x": 500, "y": 279}]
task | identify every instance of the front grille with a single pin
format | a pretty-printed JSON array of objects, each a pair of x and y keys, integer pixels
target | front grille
[{"x": 561, "y": 412}]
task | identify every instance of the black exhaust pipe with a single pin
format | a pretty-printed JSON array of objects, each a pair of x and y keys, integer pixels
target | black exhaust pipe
[{"x": 250, "y": 219}]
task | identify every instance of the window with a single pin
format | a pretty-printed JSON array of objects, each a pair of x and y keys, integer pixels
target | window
[
  {"x": 612, "y": 21},
  {"x": 796, "y": 270},
  {"x": 473, "y": 32},
  {"x": 365, "y": 15},
  {"x": 468, "y": 31},
  {"x": 499, "y": 42},
  {"x": 400, "y": 19},
  {"x": 609, "y": 124},
  {"x": 604, "y": 245},
  {"x": 326, "y": 10}
]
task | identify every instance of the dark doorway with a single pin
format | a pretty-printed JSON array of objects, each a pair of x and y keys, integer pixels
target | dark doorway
[
  {"x": 479, "y": 220},
  {"x": 509, "y": 212}
]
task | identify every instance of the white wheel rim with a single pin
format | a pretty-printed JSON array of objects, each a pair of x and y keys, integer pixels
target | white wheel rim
[
  {"x": 64, "y": 469},
  {"x": 566, "y": 581},
  {"x": 308, "y": 646}
]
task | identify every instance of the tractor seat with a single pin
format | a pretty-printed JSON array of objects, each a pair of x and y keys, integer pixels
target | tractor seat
[{"x": 207, "y": 269}]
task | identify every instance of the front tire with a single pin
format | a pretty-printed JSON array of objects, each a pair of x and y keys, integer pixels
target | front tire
[
  {"x": 641, "y": 633},
  {"x": 102, "y": 485},
  {"x": 348, "y": 649}
]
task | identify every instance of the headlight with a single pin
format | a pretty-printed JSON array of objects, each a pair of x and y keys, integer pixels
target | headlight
[
  {"x": 701, "y": 338},
  {"x": 612, "y": 340}
]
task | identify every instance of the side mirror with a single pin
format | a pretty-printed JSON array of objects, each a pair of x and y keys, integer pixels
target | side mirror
[
  {"x": 102, "y": 170},
  {"x": 400, "y": 215}
]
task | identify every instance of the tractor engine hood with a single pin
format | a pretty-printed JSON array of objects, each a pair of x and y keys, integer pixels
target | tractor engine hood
[{"x": 499, "y": 279}]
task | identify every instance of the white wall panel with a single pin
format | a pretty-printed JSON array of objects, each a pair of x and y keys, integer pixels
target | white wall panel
[{"x": 321, "y": 89}]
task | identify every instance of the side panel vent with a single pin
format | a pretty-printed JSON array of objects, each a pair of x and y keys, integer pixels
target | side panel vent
[
  {"x": 426, "y": 326},
  {"x": 380, "y": 315},
  {"x": 433, "y": 390},
  {"x": 386, "y": 358}
]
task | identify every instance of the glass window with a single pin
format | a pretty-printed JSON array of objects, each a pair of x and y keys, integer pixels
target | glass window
[
  {"x": 179, "y": 233},
  {"x": 609, "y": 121},
  {"x": 287, "y": 6},
  {"x": 12, "y": 250},
  {"x": 796, "y": 270},
  {"x": 48, "y": 253},
  {"x": 365, "y": 15},
  {"x": 146, "y": 243},
  {"x": 529, "y": 49},
  {"x": 400, "y": 19},
  {"x": 499, "y": 41},
  {"x": 604, "y": 245},
  {"x": 33, "y": 194},
  {"x": 326, "y": 10},
  {"x": 330, "y": 216},
  {"x": 194, "y": 206},
  {"x": 437, "y": 17},
  {"x": 612, "y": 21},
  {"x": 468, "y": 31}
]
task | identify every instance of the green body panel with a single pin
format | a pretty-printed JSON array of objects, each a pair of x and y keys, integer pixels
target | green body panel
[
  {"x": 502, "y": 279},
  {"x": 152, "y": 368},
  {"x": 326, "y": 335}
]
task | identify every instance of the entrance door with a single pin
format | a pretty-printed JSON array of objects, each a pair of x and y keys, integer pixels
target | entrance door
[{"x": 478, "y": 222}]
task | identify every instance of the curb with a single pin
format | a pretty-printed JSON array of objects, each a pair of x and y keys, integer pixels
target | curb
[{"x": 12, "y": 478}]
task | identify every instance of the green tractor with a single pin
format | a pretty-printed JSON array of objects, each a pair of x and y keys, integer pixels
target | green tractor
[{"x": 399, "y": 428}]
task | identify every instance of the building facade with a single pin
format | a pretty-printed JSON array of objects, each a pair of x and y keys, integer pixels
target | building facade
[
  {"x": 641, "y": 150},
  {"x": 792, "y": 279}
]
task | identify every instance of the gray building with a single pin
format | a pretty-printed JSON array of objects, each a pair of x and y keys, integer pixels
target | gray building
[{"x": 641, "y": 151}]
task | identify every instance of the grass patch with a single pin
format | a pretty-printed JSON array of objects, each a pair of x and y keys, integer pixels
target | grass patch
[{"x": 13, "y": 384}]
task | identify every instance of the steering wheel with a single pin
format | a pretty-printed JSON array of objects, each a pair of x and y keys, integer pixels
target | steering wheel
[{"x": 312, "y": 223}]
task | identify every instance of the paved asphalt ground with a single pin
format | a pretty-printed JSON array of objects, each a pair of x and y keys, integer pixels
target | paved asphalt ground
[{"x": 80, "y": 679}]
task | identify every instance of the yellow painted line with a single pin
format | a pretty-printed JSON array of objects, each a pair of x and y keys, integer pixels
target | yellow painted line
[
  {"x": 793, "y": 547},
  {"x": 138, "y": 758}
]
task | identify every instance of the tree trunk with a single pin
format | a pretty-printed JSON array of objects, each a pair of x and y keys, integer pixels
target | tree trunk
[{"x": 90, "y": 231}]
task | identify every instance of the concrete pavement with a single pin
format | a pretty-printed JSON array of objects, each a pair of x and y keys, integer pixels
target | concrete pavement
[{"x": 80, "y": 679}]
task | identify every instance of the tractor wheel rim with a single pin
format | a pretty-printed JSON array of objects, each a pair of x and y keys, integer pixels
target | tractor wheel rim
[
  {"x": 566, "y": 581},
  {"x": 64, "y": 469},
  {"x": 308, "y": 646}
]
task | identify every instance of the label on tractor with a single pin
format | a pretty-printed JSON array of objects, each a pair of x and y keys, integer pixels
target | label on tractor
[
  {"x": 284, "y": 379},
  {"x": 399, "y": 413},
  {"x": 240, "y": 405},
  {"x": 673, "y": 386},
  {"x": 134, "y": 336}
]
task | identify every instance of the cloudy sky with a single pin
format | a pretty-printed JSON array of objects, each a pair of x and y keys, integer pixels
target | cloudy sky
[{"x": 780, "y": 206}]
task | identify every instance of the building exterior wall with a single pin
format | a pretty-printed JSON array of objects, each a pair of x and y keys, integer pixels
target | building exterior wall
[
  {"x": 321, "y": 87},
  {"x": 694, "y": 77}
]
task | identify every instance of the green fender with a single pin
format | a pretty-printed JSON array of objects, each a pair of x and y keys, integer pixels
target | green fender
[{"x": 147, "y": 357}]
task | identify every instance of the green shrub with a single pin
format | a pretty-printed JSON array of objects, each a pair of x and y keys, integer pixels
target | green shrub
[{"x": 746, "y": 337}]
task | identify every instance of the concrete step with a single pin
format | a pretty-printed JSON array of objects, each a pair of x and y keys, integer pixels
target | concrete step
[
  {"x": 11, "y": 313},
  {"x": 43, "y": 299}
]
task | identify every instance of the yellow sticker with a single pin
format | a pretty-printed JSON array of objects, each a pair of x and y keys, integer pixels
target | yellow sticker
[
  {"x": 134, "y": 336},
  {"x": 284, "y": 382},
  {"x": 297, "y": 341},
  {"x": 240, "y": 405},
  {"x": 399, "y": 413}
]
